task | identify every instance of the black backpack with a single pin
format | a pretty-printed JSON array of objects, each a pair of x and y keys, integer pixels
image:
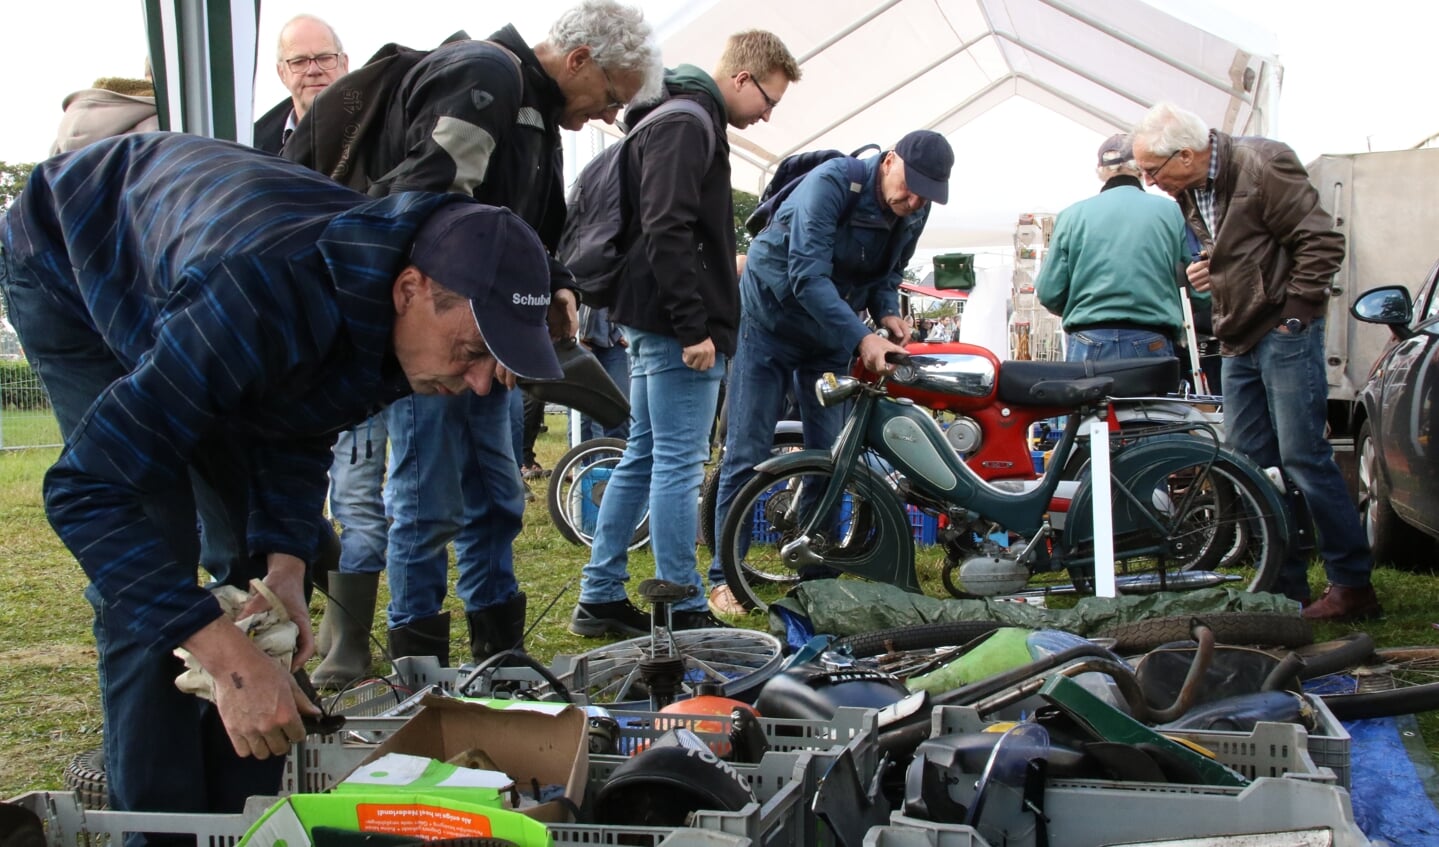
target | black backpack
[
  {"x": 593, "y": 244},
  {"x": 787, "y": 177}
]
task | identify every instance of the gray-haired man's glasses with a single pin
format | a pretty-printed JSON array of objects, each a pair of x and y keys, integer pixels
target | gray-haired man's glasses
[{"x": 324, "y": 61}]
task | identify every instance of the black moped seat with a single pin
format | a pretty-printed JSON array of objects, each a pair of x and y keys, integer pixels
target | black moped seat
[{"x": 1132, "y": 378}]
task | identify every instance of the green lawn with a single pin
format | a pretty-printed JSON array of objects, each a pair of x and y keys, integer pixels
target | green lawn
[{"x": 48, "y": 705}]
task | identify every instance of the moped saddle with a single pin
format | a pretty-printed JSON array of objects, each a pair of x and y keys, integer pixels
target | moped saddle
[
  {"x": 1132, "y": 378},
  {"x": 585, "y": 387}
]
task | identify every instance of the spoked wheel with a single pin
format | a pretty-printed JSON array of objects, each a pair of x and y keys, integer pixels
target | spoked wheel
[
  {"x": 784, "y": 442},
  {"x": 739, "y": 660},
  {"x": 1393, "y": 681},
  {"x": 1198, "y": 519},
  {"x": 578, "y": 484}
]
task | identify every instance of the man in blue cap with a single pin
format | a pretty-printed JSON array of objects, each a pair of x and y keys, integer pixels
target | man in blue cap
[
  {"x": 809, "y": 275},
  {"x": 200, "y": 312}
]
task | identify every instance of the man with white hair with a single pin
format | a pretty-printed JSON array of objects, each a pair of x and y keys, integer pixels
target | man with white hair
[
  {"x": 1112, "y": 269},
  {"x": 308, "y": 58},
  {"x": 1269, "y": 253}
]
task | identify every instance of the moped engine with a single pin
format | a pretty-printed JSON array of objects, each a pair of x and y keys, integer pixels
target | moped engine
[{"x": 989, "y": 576}]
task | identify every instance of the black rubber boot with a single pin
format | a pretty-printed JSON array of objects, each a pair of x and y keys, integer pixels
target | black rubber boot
[
  {"x": 424, "y": 637},
  {"x": 499, "y": 627},
  {"x": 349, "y": 616}
]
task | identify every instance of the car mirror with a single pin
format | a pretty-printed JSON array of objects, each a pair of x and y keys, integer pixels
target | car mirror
[{"x": 1388, "y": 305}]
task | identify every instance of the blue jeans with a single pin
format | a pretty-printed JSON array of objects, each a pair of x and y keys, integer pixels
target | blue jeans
[
  {"x": 1101, "y": 345},
  {"x": 765, "y": 368},
  {"x": 453, "y": 477},
  {"x": 1275, "y": 399},
  {"x": 165, "y": 751},
  {"x": 357, "y": 499},
  {"x": 671, "y": 408},
  {"x": 617, "y": 364}
]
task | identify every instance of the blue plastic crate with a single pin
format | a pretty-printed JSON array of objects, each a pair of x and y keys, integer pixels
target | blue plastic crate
[
  {"x": 591, "y": 479},
  {"x": 759, "y": 534},
  {"x": 925, "y": 527}
]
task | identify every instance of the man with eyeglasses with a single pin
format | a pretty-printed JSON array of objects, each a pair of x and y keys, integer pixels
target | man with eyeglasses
[
  {"x": 1112, "y": 269},
  {"x": 481, "y": 118},
  {"x": 677, "y": 303},
  {"x": 1268, "y": 255},
  {"x": 308, "y": 58}
]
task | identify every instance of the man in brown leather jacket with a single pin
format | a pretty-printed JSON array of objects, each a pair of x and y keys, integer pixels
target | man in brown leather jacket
[{"x": 1269, "y": 253}]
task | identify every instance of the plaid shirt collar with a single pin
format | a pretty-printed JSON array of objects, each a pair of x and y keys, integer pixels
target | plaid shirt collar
[{"x": 1204, "y": 197}]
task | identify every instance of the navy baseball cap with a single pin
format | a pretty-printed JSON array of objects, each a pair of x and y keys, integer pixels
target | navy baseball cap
[
  {"x": 928, "y": 159},
  {"x": 491, "y": 257},
  {"x": 1116, "y": 150}
]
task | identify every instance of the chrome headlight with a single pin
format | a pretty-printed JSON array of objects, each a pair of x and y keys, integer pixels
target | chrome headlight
[{"x": 832, "y": 390}]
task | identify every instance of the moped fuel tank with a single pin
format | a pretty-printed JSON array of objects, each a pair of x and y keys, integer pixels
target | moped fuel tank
[{"x": 949, "y": 376}]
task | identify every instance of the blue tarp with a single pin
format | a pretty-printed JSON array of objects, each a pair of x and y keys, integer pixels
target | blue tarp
[{"x": 1389, "y": 772}]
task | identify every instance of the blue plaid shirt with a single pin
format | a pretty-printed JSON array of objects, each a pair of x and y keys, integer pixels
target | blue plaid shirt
[{"x": 246, "y": 296}]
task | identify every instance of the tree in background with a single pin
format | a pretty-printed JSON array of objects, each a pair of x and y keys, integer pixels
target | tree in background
[
  {"x": 744, "y": 203},
  {"x": 12, "y": 180}
]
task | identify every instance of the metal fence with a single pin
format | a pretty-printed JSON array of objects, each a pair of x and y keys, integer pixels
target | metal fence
[{"x": 25, "y": 416}]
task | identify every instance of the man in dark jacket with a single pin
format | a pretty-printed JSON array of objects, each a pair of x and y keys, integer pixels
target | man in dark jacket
[
  {"x": 678, "y": 308},
  {"x": 481, "y": 118},
  {"x": 1269, "y": 255},
  {"x": 809, "y": 275},
  {"x": 308, "y": 58},
  {"x": 193, "y": 307}
]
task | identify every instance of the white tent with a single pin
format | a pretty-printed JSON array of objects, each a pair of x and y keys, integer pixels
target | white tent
[{"x": 874, "y": 69}]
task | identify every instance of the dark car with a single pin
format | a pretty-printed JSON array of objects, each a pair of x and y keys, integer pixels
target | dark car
[{"x": 1398, "y": 473}]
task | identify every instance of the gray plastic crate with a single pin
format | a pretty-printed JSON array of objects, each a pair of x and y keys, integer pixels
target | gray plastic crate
[
  {"x": 68, "y": 824},
  {"x": 1269, "y": 750}
]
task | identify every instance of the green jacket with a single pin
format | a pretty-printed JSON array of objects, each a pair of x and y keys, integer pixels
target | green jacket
[{"x": 1116, "y": 258}]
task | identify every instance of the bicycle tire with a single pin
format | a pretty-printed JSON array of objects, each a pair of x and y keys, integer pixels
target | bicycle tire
[
  {"x": 1330, "y": 657},
  {"x": 1267, "y": 628},
  {"x": 565, "y": 497},
  {"x": 920, "y": 636},
  {"x": 739, "y": 660},
  {"x": 868, "y": 531},
  {"x": 85, "y": 775},
  {"x": 1412, "y": 677}
]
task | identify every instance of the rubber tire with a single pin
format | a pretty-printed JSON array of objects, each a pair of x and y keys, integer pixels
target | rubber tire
[
  {"x": 85, "y": 775},
  {"x": 562, "y": 471},
  {"x": 1382, "y": 704},
  {"x": 709, "y": 489},
  {"x": 1267, "y": 628},
  {"x": 922, "y": 636},
  {"x": 1330, "y": 657},
  {"x": 1391, "y": 539}
]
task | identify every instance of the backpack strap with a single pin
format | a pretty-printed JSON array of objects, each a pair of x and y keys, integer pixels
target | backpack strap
[
  {"x": 682, "y": 104},
  {"x": 854, "y": 172}
]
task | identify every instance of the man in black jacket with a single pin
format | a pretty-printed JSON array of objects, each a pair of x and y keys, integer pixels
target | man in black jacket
[
  {"x": 483, "y": 118},
  {"x": 308, "y": 58},
  {"x": 678, "y": 305}
]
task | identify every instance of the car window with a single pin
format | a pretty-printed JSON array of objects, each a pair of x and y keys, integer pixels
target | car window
[{"x": 1430, "y": 303}]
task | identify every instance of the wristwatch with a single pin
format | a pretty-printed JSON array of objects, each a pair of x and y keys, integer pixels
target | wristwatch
[{"x": 1292, "y": 325}]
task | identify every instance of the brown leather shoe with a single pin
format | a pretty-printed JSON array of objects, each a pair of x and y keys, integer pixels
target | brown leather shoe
[{"x": 1339, "y": 604}]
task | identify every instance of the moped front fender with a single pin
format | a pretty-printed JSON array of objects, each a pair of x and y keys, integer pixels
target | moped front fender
[
  {"x": 1141, "y": 466},
  {"x": 890, "y": 518}
]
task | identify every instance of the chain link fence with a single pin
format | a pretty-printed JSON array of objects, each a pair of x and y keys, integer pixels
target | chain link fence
[{"x": 25, "y": 416}]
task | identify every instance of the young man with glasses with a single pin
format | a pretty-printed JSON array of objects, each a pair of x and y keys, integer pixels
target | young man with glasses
[
  {"x": 1269, "y": 255},
  {"x": 481, "y": 118},
  {"x": 308, "y": 58},
  {"x": 678, "y": 306}
]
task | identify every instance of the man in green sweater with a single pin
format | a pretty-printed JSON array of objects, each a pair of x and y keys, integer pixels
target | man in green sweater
[{"x": 1112, "y": 270}]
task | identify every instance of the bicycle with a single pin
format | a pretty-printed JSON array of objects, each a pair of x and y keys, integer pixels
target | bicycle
[{"x": 1182, "y": 505}]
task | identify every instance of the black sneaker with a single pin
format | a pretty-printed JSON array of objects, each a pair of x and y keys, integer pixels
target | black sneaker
[
  {"x": 620, "y": 617},
  {"x": 702, "y": 619}
]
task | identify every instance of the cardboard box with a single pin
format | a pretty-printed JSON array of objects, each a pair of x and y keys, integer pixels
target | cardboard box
[
  {"x": 552, "y": 749},
  {"x": 290, "y": 822}
]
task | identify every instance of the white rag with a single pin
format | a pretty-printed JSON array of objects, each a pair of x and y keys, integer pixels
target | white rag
[{"x": 271, "y": 630}]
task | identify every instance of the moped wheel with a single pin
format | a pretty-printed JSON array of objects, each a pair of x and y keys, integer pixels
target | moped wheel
[
  {"x": 784, "y": 442},
  {"x": 1201, "y": 517},
  {"x": 769, "y": 511},
  {"x": 577, "y": 485}
]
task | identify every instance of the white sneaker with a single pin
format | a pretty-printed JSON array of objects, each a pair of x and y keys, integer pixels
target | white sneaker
[{"x": 723, "y": 602}]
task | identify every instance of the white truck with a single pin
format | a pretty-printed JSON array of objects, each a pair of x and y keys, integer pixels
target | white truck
[{"x": 1385, "y": 204}]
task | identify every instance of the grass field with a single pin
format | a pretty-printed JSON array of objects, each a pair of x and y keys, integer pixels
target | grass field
[{"x": 49, "y": 708}]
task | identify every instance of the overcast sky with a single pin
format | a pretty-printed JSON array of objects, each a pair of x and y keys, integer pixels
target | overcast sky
[{"x": 1357, "y": 76}]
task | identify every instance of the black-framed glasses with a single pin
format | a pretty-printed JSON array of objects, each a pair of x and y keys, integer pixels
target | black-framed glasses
[
  {"x": 610, "y": 93},
  {"x": 1153, "y": 173},
  {"x": 324, "y": 61},
  {"x": 769, "y": 102}
]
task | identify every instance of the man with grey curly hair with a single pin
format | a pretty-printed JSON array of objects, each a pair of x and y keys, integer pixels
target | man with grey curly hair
[{"x": 481, "y": 118}]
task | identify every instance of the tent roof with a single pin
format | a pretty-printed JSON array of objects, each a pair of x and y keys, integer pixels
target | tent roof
[{"x": 875, "y": 69}]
